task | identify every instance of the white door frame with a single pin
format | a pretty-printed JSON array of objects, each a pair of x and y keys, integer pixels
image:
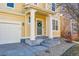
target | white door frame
[{"x": 42, "y": 26}]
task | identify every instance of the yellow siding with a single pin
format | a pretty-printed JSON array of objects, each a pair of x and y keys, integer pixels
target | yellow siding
[
  {"x": 25, "y": 19},
  {"x": 41, "y": 5},
  {"x": 11, "y": 17},
  {"x": 27, "y": 26},
  {"x": 18, "y": 7}
]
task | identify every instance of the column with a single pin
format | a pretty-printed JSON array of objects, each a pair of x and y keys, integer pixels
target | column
[
  {"x": 50, "y": 26},
  {"x": 32, "y": 24},
  {"x": 47, "y": 26}
]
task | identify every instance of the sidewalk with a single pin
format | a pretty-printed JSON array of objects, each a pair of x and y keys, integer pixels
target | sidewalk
[
  {"x": 58, "y": 50},
  {"x": 61, "y": 48}
]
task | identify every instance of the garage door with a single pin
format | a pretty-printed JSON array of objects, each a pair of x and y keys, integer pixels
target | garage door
[{"x": 10, "y": 32}]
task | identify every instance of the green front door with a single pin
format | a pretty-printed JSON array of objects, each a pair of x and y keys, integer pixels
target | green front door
[{"x": 39, "y": 27}]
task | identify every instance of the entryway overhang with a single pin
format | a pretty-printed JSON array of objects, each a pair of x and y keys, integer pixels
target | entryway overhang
[
  {"x": 33, "y": 10},
  {"x": 39, "y": 10}
]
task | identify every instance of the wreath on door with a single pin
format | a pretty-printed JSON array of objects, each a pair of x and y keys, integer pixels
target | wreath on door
[{"x": 39, "y": 24}]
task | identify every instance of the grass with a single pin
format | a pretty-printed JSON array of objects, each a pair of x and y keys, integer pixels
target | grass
[
  {"x": 73, "y": 51},
  {"x": 77, "y": 40}
]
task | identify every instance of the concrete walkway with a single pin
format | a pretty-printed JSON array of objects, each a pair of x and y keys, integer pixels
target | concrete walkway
[{"x": 58, "y": 50}]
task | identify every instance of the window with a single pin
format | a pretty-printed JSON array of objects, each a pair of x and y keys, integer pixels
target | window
[
  {"x": 63, "y": 8},
  {"x": 74, "y": 27},
  {"x": 53, "y": 6},
  {"x": 55, "y": 24},
  {"x": 10, "y": 5}
]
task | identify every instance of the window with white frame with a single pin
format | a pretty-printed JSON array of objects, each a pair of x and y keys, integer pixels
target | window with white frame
[
  {"x": 74, "y": 27},
  {"x": 11, "y": 5},
  {"x": 53, "y": 6},
  {"x": 55, "y": 24}
]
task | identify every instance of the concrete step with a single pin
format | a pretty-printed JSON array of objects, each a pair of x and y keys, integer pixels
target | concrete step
[{"x": 42, "y": 37}]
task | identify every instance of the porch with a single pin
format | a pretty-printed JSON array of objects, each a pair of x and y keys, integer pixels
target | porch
[{"x": 40, "y": 23}]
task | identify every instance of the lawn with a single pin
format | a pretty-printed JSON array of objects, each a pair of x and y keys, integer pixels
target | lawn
[{"x": 73, "y": 51}]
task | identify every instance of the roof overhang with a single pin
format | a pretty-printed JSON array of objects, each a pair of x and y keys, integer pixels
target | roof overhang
[{"x": 39, "y": 10}]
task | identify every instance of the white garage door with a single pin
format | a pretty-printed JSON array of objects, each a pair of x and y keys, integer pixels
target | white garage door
[{"x": 10, "y": 32}]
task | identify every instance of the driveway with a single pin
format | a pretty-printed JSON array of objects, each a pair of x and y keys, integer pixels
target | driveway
[
  {"x": 14, "y": 49},
  {"x": 18, "y": 49}
]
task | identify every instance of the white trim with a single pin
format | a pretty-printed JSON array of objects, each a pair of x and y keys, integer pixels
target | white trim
[
  {"x": 25, "y": 37},
  {"x": 42, "y": 26},
  {"x": 11, "y": 7},
  {"x": 32, "y": 24},
  {"x": 14, "y": 22},
  {"x": 57, "y": 21},
  {"x": 72, "y": 21},
  {"x": 50, "y": 26}
]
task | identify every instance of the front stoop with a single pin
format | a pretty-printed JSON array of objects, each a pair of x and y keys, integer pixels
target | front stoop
[
  {"x": 41, "y": 37},
  {"x": 41, "y": 45},
  {"x": 39, "y": 40}
]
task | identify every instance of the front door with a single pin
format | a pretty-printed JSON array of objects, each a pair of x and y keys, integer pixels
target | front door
[{"x": 39, "y": 27}]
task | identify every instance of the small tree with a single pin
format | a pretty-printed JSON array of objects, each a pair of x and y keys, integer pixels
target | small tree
[{"x": 72, "y": 9}]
